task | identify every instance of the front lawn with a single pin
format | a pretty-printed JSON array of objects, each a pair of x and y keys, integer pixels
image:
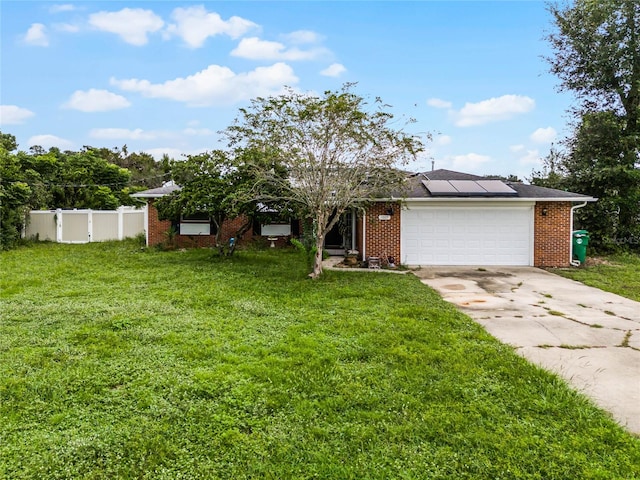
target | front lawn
[
  {"x": 122, "y": 363},
  {"x": 618, "y": 274}
]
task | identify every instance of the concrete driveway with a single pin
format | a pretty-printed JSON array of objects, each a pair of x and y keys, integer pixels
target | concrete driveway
[{"x": 589, "y": 337}]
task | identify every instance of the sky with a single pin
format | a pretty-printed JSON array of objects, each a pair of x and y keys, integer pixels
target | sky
[{"x": 167, "y": 76}]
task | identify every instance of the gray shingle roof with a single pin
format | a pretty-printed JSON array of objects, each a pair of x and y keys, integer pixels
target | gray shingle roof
[
  {"x": 416, "y": 188},
  {"x": 533, "y": 191},
  {"x": 157, "y": 192},
  {"x": 442, "y": 174}
]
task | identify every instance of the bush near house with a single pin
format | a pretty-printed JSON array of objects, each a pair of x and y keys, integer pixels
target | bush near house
[{"x": 118, "y": 362}]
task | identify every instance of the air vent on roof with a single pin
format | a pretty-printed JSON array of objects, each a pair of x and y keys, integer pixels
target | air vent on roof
[{"x": 468, "y": 188}]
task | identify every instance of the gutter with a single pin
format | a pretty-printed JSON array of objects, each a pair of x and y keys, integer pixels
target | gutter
[
  {"x": 486, "y": 199},
  {"x": 572, "y": 262}
]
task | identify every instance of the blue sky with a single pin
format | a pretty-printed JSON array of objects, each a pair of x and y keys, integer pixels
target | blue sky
[{"x": 165, "y": 77}]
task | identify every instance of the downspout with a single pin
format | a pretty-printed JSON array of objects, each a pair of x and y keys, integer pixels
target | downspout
[
  {"x": 575, "y": 263},
  {"x": 354, "y": 229},
  {"x": 146, "y": 222},
  {"x": 364, "y": 235}
]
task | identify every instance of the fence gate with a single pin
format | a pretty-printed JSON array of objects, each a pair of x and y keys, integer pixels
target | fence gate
[{"x": 84, "y": 226}]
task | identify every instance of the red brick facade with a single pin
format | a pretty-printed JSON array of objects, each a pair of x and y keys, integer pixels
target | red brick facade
[
  {"x": 552, "y": 234},
  {"x": 382, "y": 237},
  {"x": 158, "y": 231}
]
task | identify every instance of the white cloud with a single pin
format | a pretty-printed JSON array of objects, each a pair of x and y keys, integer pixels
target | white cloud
[
  {"x": 66, "y": 27},
  {"x": 493, "y": 110},
  {"x": 255, "y": 49},
  {"x": 531, "y": 158},
  {"x": 516, "y": 148},
  {"x": 544, "y": 135},
  {"x": 37, "y": 35},
  {"x": 174, "y": 153},
  {"x": 438, "y": 103},
  {"x": 131, "y": 24},
  {"x": 215, "y": 85},
  {"x": 197, "y": 132},
  {"x": 61, "y": 8},
  {"x": 194, "y": 25},
  {"x": 442, "y": 140},
  {"x": 333, "y": 70},
  {"x": 96, "y": 101},
  {"x": 124, "y": 134},
  {"x": 469, "y": 162},
  {"x": 47, "y": 141},
  {"x": 302, "y": 36},
  {"x": 14, "y": 115}
]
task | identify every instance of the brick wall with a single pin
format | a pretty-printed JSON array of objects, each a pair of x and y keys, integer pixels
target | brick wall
[
  {"x": 157, "y": 228},
  {"x": 158, "y": 231},
  {"x": 552, "y": 234},
  {"x": 382, "y": 236}
]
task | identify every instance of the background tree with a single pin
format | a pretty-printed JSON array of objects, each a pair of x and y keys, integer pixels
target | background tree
[
  {"x": 14, "y": 193},
  {"x": 40, "y": 179},
  {"x": 84, "y": 180},
  {"x": 145, "y": 171},
  {"x": 597, "y": 56},
  {"x": 552, "y": 173},
  {"x": 596, "y": 48},
  {"x": 337, "y": 150}
]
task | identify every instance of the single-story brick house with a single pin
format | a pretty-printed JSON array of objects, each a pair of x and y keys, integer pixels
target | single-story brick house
[{"x": 444, "y": 218}]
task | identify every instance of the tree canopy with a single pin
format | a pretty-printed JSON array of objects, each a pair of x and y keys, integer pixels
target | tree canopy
[
  {"x": 40, "y": 179},
  {"x": 338, "y": 151},
  {"x": 215, "y": 183},
  {"x": 596, "y": 46}
]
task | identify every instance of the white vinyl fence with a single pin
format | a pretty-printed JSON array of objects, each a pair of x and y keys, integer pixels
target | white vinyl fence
[{"x": 84, "y": 226}]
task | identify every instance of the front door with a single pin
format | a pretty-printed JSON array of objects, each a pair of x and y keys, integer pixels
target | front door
[{"x": 339, "y": 238}]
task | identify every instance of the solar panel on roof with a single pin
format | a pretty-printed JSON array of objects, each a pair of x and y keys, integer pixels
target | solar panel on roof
[
  {"x": 468, "y": 186},
  {"x": 440, "y": 187},
  {"x": 497, "y": 187}
]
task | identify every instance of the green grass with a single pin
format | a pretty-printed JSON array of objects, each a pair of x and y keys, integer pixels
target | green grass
[
  {"x": 619, "y": 275},
  {"x": 122, "y": 363}
]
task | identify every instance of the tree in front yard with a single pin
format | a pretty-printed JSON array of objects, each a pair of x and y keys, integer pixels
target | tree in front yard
[
  {"x": 338, "y": 150},
  {"x": 217, "y": 184}
]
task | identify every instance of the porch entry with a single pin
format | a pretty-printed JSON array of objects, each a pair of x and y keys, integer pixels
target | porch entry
[{"x": 342, "y": 236}]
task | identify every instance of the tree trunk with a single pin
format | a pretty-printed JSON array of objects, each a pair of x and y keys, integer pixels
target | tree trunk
[
  {"x": 219, "y": 246},
  {"x": 317, "y": 264}
]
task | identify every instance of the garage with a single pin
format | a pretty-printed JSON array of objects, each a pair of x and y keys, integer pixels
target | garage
[{"x": 467, "y": 233}]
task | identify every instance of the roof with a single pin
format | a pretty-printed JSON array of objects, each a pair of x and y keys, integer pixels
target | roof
[
  {"x": 442, "y": 174},
  {"x": 450, "y": 185},
  {"x": 533, "y": 191},
  {"x": 157, "y": 192}
]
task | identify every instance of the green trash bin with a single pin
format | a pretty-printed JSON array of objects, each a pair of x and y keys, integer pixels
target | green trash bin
[{"x": 580, "y": 242}]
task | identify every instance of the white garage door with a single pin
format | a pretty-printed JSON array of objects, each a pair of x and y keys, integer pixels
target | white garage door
[{"x": 464, "y": 235}]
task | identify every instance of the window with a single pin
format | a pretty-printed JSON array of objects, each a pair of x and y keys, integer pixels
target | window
[
  {"x": 275, "y": 229},
  {"x": 196, "y": 224},
  {"x": 273, "y": 226}
]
